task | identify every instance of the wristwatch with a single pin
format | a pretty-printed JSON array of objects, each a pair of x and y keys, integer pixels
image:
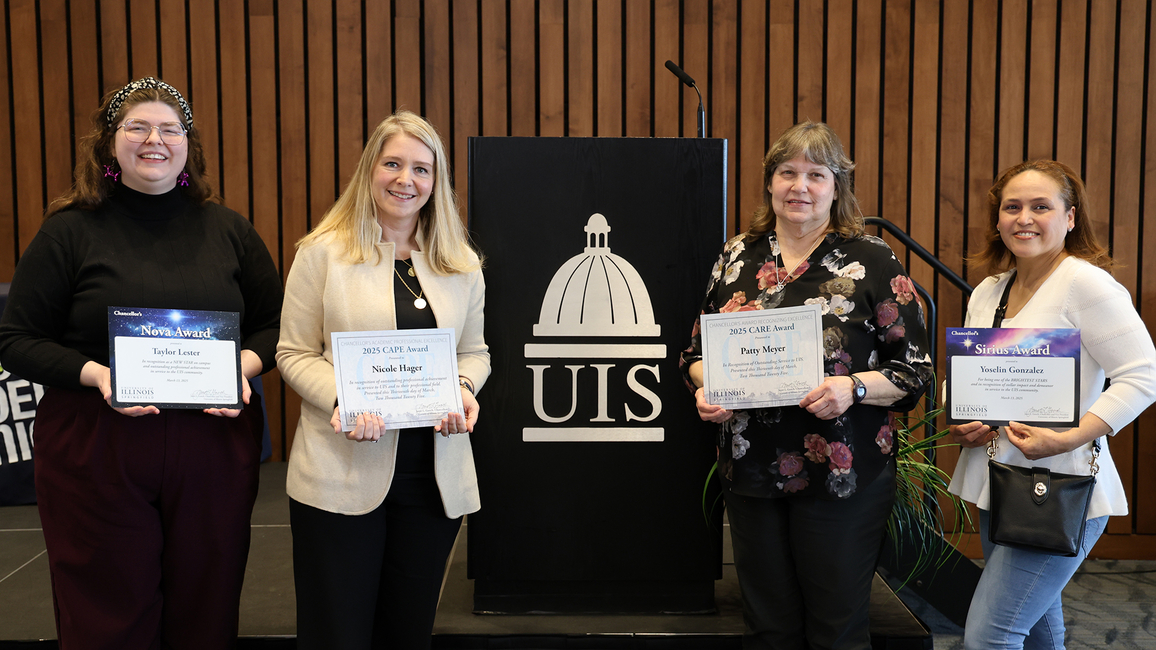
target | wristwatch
[{"x": 860, "y": 391}]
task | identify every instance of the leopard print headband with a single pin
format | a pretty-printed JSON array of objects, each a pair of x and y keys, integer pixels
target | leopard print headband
[{"x": 147, "y": 82}]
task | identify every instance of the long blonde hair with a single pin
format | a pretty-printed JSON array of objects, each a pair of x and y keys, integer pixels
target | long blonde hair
[{"x": 352, "y": 220}]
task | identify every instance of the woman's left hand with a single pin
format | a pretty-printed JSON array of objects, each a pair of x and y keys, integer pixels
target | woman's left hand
[
  {"x": 251, "y": 366},
  {"x": 830, "y": 399},
  {"x": 1038, "y": 442},
  {"x": 246, "y": 392},
  {"x": 456, "y": 422}
]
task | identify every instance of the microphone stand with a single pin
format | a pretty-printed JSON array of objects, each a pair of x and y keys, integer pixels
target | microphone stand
[
  {"x": 701, "y": 115},
  {"x": 686, "y": 79}
]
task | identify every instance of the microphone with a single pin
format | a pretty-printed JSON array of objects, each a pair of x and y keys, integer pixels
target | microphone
[
  {"x": 685, "y": 78},
  {"x": 682, "y": 76}
]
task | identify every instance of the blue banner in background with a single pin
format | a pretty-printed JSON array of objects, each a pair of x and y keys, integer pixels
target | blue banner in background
[{"x": 18, "y": 400}]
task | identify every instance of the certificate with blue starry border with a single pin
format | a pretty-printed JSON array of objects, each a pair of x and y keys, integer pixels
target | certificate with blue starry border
[
  {"x": 1026, "y": 375},
  {"x": 175, "y": 358}
]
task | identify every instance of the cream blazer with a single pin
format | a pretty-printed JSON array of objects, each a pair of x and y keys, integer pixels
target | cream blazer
[{"x": 325, "y": 294}]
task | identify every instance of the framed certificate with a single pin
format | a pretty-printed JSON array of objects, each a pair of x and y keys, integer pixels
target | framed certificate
[
  {"x": 997, "y": 375},
  {"x": 756, "y": 359},
  {"x": 408, "y": 377},
  {"x": 175, "y": 358}
]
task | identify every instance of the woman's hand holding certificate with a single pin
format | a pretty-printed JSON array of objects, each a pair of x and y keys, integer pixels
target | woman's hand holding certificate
[
  {"x": 367, "y": 426},
  {"x": 460, "y": 422},
  {"x": 972, "y": 434},
  {"x": 710, "y": 412}
]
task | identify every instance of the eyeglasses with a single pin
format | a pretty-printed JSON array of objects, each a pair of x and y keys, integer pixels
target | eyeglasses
[{"x": 172, "y": 133}]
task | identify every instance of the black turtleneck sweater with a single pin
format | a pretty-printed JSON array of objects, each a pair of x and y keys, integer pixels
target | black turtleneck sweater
[{"x": 136, "y": 250}]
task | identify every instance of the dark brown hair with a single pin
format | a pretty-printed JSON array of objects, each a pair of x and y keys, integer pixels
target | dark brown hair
[
  {"x": 91, "y": 187},
  {"x": 994, "y": 257}
]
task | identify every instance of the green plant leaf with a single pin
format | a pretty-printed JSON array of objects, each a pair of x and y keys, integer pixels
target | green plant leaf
[{"x": 918, "y": 520}]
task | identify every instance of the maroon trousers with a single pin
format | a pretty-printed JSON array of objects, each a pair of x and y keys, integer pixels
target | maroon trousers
[{"x": 146, "y": 521}]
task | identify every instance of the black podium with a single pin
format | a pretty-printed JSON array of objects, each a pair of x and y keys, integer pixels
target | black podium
[{"x": 592, "y": 462}]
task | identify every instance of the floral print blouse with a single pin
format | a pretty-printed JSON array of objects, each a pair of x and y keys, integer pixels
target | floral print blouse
[{"x": 871, "y": 321}]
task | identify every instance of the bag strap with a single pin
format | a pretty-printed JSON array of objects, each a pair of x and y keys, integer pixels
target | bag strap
[
  {"x": 1093, "y": 466},
  {"x": 997, "y": 321}
]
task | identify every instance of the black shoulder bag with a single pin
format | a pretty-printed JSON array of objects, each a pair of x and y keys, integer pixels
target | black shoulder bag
[{"x": 1036, "y": 509}]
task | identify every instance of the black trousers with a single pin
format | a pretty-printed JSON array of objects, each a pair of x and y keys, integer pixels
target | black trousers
[
  {"x": 372, "y": 581},
  {"x": 805, "y": 566}
]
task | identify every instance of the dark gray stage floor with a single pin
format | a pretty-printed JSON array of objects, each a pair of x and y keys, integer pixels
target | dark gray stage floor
[{"x": 1109, "y": 604}]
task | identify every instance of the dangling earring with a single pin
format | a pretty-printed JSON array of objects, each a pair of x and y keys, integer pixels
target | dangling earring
[
  {"x": 109, "y": 173},
  {"x": 183, "y": 179}
]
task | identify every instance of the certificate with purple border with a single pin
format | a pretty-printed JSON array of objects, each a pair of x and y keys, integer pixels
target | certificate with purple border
[
  {"x": 997, "y": 375},
  {"x": 175, "y": 358}
]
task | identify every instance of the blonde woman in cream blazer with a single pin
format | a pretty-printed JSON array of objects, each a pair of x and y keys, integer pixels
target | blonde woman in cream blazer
[
  {"x": 328, "y": 471},
  {"x": 375, "y": 512}
]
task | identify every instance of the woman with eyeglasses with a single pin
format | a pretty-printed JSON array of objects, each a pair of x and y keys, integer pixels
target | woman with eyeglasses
[{"x": 145, "y": 511}]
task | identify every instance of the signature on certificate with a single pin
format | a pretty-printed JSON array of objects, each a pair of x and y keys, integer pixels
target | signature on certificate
[
  {"x": 1044, "y": 411},
  {"x": 211, "y": 393},
  {"x": 795, "y": 386}
]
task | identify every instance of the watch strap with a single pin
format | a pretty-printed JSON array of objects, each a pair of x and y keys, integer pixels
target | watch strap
[{"x": 860, "y": 390}]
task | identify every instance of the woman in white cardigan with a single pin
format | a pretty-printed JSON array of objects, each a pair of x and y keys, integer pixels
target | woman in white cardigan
[
  {"x": 375, "y": 511},
  {"x": 1040, "y": 240}
]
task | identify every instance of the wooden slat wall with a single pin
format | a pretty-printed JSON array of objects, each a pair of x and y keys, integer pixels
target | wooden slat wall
[{"x": 932, "y": 98}]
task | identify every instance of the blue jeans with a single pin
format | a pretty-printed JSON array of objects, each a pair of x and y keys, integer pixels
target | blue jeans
[{"x": 1017, "y": 603}]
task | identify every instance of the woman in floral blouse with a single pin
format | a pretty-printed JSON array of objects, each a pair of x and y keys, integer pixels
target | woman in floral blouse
[{"x": 809, "y": 488}]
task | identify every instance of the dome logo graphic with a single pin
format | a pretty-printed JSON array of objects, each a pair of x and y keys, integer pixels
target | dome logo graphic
[{"x": 598, "y": 302}]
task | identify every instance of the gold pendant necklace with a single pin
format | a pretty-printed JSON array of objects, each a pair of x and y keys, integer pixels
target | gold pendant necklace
[{"x": 418, "y": 301}]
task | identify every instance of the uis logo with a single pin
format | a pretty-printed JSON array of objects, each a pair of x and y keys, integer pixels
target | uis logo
[{"x": 593, "y": 299}]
